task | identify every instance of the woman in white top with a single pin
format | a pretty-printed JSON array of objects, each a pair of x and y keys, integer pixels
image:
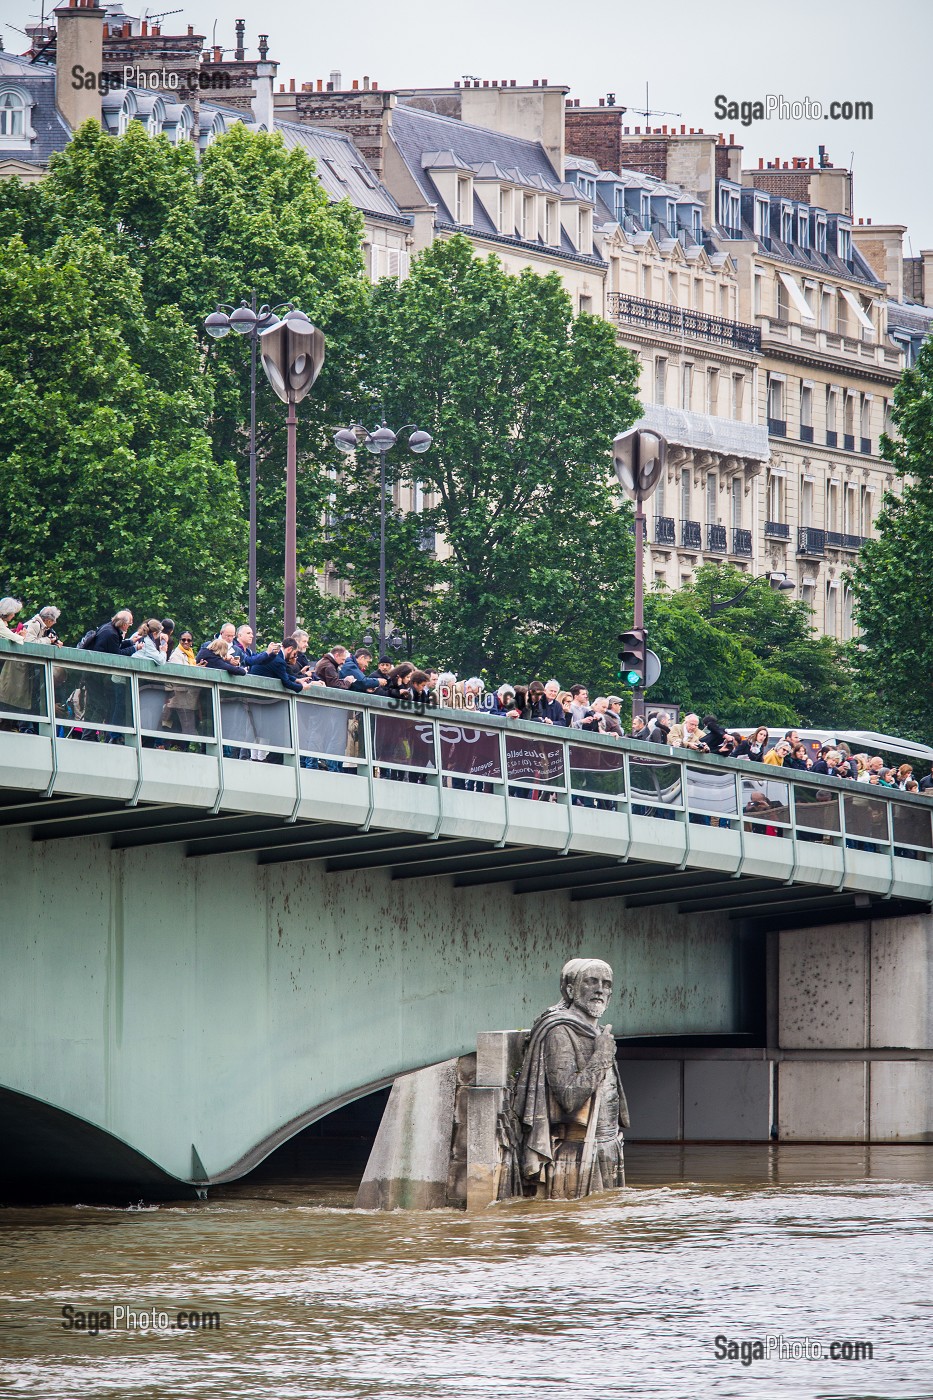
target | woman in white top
[
  {"x": 9, "y": 607},
  {"x": 150, "y": 644}
]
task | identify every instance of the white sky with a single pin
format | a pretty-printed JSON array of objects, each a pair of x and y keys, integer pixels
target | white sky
[{"x": 687, "y": 50}]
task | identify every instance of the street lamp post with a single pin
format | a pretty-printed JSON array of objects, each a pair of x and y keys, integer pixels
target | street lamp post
[
  {"x": 639, "y": 457},
  {"x": 247, "y": 319},
  {"x": 381, "y": 440},
  {"x": 292, "y": 353}
]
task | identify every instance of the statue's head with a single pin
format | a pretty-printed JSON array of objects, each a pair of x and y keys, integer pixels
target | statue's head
[{"x": 586, "y": 983}]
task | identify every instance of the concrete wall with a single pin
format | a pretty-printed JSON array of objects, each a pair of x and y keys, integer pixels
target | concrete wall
[{"x": 217, "y": 1005}]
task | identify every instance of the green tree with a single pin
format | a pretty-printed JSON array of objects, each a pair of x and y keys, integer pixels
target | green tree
[
  {"x": 757, "y": 662},
  {"x": 248, "y": 215},
  {"x": 113, "y": 496},
  {"x": 893, "y": 580},
  {"x": 523, "y": 401}
]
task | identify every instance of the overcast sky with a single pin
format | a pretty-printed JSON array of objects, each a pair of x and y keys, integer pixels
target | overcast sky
[{"x": 688, "y": 53}]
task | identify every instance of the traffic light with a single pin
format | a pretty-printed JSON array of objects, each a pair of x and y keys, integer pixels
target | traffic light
[{"x": 633, "y": 657}]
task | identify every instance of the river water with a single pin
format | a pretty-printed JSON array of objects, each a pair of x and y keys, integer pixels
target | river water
[{"x": 623, "y": 1295}]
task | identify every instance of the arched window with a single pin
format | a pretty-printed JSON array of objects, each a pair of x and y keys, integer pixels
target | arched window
[
  {"x": 184, "y": 127},
  {"x": 13, "y": 122}
]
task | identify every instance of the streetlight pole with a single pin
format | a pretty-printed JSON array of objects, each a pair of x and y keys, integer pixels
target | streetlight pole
[
  {"x": 382, "y": 439},
  {"x": 292, "y": 353},
  {"x": 249, "y": 320},
  {"x": 639, "y": 457}
]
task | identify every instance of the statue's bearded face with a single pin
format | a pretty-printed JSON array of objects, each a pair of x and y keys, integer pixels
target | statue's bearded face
[{"x": 592, "y": 992}]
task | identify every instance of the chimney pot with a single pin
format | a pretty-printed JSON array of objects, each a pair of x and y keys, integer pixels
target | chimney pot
[
  {"x": 145, "y": 28},
  {"x": 683, "y": 130},
  {"x": 291, "y": 84},
  {"x": 602, "y": 102},
  {"x": 128, "y": 30},
  {"x": 869, "y": 220},
  {"x": 761, "y": 162},
  {"x": 811, "y": 162},
  {"x": 320, "y": 84},
  {"x": 281, "y": 87},
  {"x": 456, "y": 82},
  {"x": 356, "y": 84},
  {"x": 731, "y": 139},
  {"x": 375, "y": 87},
  {"x": 218, "y": 53},
  {"x": 638, "y": 131},
  {"x": 692, "y": 132},
  {"x": 495, "y": 82},
  {"x": 156, "y": 31},
  {"x": 544, "y": 84},
  {"x": 512, "y": 84},
  {"x": 534, "y": 82},
  {"x": 366, "y": 81},
  {"x": 190, "y": 28},
  {"x": 330, "y": 86},
  {"x": 485, "y": 82}
]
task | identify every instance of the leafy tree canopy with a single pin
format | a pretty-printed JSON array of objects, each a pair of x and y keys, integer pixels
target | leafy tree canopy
[
  {"x": 893, "y": 580},
  {"x": 756, "y": 662},
  {"x": 523, "y": 401}
]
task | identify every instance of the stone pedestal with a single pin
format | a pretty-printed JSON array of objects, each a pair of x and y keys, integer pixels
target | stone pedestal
[
  {"x": 498, "y": 1060},
  {"x": 409, "y": 1164}
]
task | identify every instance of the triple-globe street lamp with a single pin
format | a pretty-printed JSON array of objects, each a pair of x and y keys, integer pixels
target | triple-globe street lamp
[{"x": 381, "y": 440}]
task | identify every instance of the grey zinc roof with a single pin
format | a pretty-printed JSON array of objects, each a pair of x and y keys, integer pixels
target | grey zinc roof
[
  {"x": 52, "y": 132},
  {"x": 417, "y": 133},
  {"x": 342, "y": 170}
]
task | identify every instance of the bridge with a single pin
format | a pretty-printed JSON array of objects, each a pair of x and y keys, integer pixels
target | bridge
[{"x": 203, "y": 953}]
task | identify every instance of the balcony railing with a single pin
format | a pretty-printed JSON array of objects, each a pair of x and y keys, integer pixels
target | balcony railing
[
  {"x": 806, "y": 432},
  {"x": 832, "y": 437},
  {"x": 676, "y": 320},
  {"x": 835, "y": 540},
  {"x": 716, "y": 542},
  {"x": 866, "y": 446},
  {"x": 777, "y": 427},
  {"x": 811, "y": 542},
  {"x": 776, "y": 530},
  {"x": 691, "y": 534},
  {"x": 742, "y": 542},
  {"x": 664, "y": 530}
]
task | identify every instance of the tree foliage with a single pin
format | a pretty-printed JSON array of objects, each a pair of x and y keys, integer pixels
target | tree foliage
[
  {"x": 756, "y": 662},
  {"x": 523, "y": 401},
  {"x": 893, "y": 580},
  {"x": 112, "y": 494},
  {"x": 248, "y": 216}
]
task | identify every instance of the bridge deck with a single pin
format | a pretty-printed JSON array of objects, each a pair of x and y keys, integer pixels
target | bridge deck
[{"x": 484, "y": 801}]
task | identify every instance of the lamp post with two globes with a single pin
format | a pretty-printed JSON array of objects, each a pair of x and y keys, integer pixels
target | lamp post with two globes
[{"x": 381, "y": 440}]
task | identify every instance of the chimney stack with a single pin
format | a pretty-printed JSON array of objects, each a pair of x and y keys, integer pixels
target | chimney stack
[
  {"x": 263, "y": 47},
  {"x": 79, "y": 40},
  {"x": 239, "y": 53}
]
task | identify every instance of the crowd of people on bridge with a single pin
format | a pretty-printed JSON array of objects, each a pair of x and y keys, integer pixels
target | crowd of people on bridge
[{"x": 234, "y": 651}]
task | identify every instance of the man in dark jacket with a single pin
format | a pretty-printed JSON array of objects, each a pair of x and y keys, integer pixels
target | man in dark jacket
[
  {"x": 107, "y": 702},
  {"x": 327, "y": 669},
  {"x": 550, "y": 710},
  {"x": 353, "y": 672},
  {"x": 275, "y": 661},
  {"x": 243, "y": 645}
]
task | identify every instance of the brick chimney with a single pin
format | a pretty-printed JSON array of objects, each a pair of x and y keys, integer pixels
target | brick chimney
[{"x": 79, "y": 41}]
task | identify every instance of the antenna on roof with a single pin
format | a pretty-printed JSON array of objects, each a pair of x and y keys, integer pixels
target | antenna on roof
[{"x": 647, "y": 111}]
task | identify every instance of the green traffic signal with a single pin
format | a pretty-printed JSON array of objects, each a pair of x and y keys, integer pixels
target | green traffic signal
[
  {"x": 632, "y": 678},
  {"x": 633, "y": 657}
]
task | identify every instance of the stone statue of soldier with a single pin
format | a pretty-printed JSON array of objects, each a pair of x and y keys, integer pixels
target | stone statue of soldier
[{"x": 569, "y": 1103}]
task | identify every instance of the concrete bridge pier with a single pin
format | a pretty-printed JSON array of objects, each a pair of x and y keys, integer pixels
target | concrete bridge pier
[{"x": 848, "y": 1056}]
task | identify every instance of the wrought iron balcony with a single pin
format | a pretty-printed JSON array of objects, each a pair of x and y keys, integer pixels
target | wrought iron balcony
[
  {"x": 806, "y": 432},
  {"x": 676, "y": 320},
  {"x": 832, "y": 437},
  {"x": 811, "y": 542},
  {"x": 742, "y": 542},
  {"x": 716, "y": 542},
  {"x": 841, "y": 541},
  {"x": 777, "y": 427},
  {"x": 664, "y": 530},
  {"x": 691, "y": 534},
  {"x": 776, "y": 530}
]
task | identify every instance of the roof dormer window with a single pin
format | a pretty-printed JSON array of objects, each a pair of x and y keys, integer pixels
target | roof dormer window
[
  {"x": 844, "y": 242},
  {"x": 586, "y": 186},
  {"x": 787, "y": 224},
  {"x": 14, "y": 123},
  {"x": 803, "y": 229},
  {"x": 729, "y": 216},
  {"x": 762, "y": 217},
  {"x": 644, "y": 213},
  {"x": 819, "y": 233}
]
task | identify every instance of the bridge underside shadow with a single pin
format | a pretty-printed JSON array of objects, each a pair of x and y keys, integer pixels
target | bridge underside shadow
[{"x": 50, "y": 1155}]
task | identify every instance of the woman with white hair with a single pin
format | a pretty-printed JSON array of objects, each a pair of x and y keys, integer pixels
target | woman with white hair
[
  {"x": 17, "y": 682},
  {"x": 9, "y": 607},
  {"x": 41, "y": 628}
]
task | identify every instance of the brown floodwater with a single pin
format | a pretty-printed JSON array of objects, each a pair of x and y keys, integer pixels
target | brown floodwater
[{"x": 623, "y": 1295}]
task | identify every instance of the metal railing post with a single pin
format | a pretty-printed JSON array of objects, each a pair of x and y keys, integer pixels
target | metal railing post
[
  {"x": 370, "y": 764},
  {"x": 293, "y": 721},
  {"x": 219, "y": 741},
  {"x": 137, "y": 736},
  {"x": 504, "y": 769},
  {"x": 53, "y": 731}
]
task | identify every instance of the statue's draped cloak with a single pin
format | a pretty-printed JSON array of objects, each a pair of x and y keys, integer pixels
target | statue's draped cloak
[{"x": 531, "y": 1091}]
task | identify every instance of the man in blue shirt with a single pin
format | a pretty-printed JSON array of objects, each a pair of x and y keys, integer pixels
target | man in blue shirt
[
  {"x": 274, "y": 662},
  {"x": 353, "y": 672}
]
